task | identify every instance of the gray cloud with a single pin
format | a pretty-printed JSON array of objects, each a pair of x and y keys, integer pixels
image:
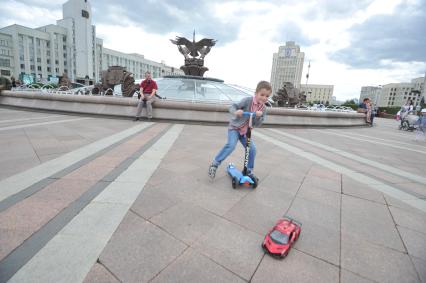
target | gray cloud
[
  {"x": 168, "y": 16},
  {"x": 332, "y": 9},
  {"x": 290, "y": 31},
  {"x": 398, "y": 37}
]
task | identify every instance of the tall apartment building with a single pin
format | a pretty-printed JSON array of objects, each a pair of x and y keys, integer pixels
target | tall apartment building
[
  {"x": 287, "y": 66},
  {"x": 318, "y": 93},
  {"x": 70, "y": 46}
]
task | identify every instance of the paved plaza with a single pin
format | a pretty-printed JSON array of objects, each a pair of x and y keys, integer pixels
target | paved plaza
[{"x": 95, "y": 199}]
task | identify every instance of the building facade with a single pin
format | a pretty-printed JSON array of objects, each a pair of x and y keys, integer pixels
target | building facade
[
  {"x": 70, "y": 47},
  {"x": 398, "y": 94},
  {"x": 318, "y": 93},
  {"x": 287, "y": 66},
  {"x": 371, "y": 92},
  {"x": 7, "y": 63}
]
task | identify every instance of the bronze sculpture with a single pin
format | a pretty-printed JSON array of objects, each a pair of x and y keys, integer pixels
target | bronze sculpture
[
  {"x": 113, "y": 76},
  {"x": 194, "y": 66},
  {"x": 289, "y": 96}
]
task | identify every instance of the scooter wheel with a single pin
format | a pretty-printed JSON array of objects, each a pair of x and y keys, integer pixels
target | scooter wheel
[
  {"x": 255, "y": 183},
  {"x": 234, "y": 183}
]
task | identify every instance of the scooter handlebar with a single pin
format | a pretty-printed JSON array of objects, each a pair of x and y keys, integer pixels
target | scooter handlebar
[{"x": 249, "y": 113}]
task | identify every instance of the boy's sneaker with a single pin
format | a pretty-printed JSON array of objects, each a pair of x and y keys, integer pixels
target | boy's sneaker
[{"x": 212, "y": 171}]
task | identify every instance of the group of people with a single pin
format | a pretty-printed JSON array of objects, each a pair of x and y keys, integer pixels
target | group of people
[{"x": 367, "y": 107}]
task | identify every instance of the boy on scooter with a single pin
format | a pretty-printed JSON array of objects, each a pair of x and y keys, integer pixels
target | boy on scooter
[{"x": 238, "y": 126}]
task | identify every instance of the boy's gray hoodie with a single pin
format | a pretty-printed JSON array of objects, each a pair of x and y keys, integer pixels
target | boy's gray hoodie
[{"x": 244, "y": 104}]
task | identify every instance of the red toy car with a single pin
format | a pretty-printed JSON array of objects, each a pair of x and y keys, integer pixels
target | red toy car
[{"x": 279, "y": 239}]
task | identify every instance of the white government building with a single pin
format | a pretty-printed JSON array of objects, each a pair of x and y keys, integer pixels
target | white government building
[
  {"x": 71, "y": 47},
  {"x": 318, "y": 93},
  {"x": 395, "y": 94},
  {"x": 287, "y": 66}
]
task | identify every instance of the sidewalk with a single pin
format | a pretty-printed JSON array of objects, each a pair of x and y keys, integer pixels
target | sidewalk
[{"x": 131, "y": 202}]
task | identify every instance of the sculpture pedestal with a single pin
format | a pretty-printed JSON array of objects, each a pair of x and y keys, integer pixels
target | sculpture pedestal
[{"x": 194, "y": 70}]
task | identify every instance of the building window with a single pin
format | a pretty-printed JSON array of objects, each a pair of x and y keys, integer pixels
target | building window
[
  {"x": 84, "y": 14},
  {"x": 22, "y": 66},
  {"x": 38, "y": 68},
  {"x": 5, "y": 72},
  {"x": 57, "y": 70},
  {"x": 32, "y": 67},
  {"x": 49, "y": 69},
  {"x": 4, "y": 62},
  {"x": 56, "y": 62}
]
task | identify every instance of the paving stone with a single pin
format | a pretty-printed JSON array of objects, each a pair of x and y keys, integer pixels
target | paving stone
[
  {"x": 138, "y": 250},
  {"x": 323, "y": 172},
  {"x": 414, "y": 241},
  {"x": 186, "y": 221},
  {"x": 324, "y": 215},
  {"x": 75, "y": 253},
  {"x": 153, "y": 201},
  {"x": 354, "y": 188},
  {"x": 10, "y": 239},
  {"x": 392, "y": 202},
  {"x": 350, "y": 277},
  {"x": 323, "y": 183},
  {"x": 233, "y": 247},
  {"x": 87, "y": 172},
  {"x": 319, "y": 241},
  {"x": 413, "y": 188},
  {"x": 420, "y": 266},
  {"x": 412, "y": 219},
  {"x": 277, "y": 182},
  {"x": 255, "y": 215},
  {"x": 370, "y": 221},
  {"x": 194, "y": 267},
  {"x": 98, "y": 273},
  {"x": 296, "y": 267},
  {"x": 63, "y": 191},
  {"x": 323, "y": 196},
  {"x": 367, "y": 260},
  {"x": 29, "y": 214},
  {"x": 218, "y": 198}
]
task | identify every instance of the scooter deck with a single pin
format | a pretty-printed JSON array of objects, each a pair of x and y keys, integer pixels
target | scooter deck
[{"x": 237, "y": 175}]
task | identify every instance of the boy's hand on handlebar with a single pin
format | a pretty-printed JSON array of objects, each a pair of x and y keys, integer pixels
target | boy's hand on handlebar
[
  {"x": 239, "y": 113},
  {"x": 259, "y": 113}
]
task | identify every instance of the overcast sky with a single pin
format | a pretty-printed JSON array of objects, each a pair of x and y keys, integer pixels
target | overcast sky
[{"x": 350, "y": 43}]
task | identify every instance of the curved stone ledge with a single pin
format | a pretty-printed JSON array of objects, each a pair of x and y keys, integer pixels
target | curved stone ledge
[{"x": 171, "y": 110}]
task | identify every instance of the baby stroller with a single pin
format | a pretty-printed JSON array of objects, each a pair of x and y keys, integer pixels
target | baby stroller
[{"x": 408, "y": 121}]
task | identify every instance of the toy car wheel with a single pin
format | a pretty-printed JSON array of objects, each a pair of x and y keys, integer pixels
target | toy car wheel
[
  {"x": 234, "y": 183},
  {"x": 264, "y": 248},
  {"x": 284, "y": 255}
]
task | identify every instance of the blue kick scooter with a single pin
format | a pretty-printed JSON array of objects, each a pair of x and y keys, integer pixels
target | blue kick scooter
[{"x": 241, "y": 178}]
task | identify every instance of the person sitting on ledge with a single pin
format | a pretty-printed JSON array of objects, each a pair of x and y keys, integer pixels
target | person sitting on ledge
[
  {"x": 147, "y": 97},
  {"x": 366, "y": 107}
]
